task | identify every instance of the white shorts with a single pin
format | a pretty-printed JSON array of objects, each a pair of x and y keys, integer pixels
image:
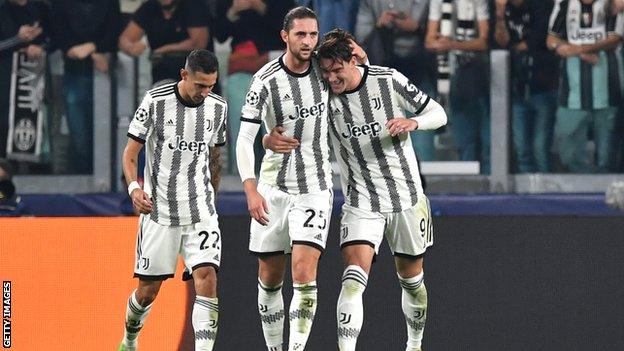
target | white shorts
[
  {"x": 409, "y": 233},
  {"x": 293, "y": 219},
  {"x": 158, "y": 247}
]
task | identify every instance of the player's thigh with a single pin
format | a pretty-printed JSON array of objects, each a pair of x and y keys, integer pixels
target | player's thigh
[
  {"x": 201, "y": 245},
  {"x": 308, "y": 220},
  {"x": 273, "y": 238},
  {"x": 410, "y": 232},
  {"x": 156, "y": 250},
  {"x": 361, "y": 227}
]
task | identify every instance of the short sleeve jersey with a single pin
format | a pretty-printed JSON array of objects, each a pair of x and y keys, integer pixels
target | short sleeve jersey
[{"x": 177, "y": 137}]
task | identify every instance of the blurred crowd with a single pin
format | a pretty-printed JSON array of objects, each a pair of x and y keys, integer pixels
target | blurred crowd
[{"x": 566, "y": 64}]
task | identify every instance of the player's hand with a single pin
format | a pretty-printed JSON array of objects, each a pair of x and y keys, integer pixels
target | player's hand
[
  {"x": 397, "y": 126},
  {"x": 277, "y": 142},
  {"x": 141, "y": 201},
  {"x": 358, "y": 52},
  {"x": 258, "y": 209}
]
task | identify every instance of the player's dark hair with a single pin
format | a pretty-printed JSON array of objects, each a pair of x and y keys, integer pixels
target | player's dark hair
[
  {"x": 201, "y": 61},
  {"x": 335, "y": 45},
  {"x": 300, "y": 12}
]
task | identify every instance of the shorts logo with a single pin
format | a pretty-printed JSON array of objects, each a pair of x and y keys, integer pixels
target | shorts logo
[
  {"x": 252, "y": 98},
  {"x": 318, "y": 236},
  {"x": 144, "y": 263},
  {"x": 345, "y": 232},
  {"x": 141, "y": 115}
]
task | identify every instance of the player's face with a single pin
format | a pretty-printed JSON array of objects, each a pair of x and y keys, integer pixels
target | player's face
[
  {"x": 302, "y": 38},
  {"x": 198, "y": 84},
  {"x": 339, "y": 74}
]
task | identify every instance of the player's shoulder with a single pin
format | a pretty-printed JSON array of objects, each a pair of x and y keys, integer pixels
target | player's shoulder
[
  {"x": 162, "y": 92},
  {"x": 268, "y": 70},
  {"x": 381, "y": 71},
  {"x": 216, "y": 100}
]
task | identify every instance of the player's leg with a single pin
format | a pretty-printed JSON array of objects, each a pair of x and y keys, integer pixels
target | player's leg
[
  {"x": 413, "y": 299},
  {"x": 270, "y": 300},
  {"x": 409, "y": 234},
  {"x": 201, "y": 251},
  {"x": 361, "y": 233},
  {"x": 308, "y": 223},
  {"x": 137, "y": 309},
  {"x": 303, "y": 304},
  {"x": 350, "y": 308},
  {"x": 156, "y": 255},
  {"x": 270, "y": 243},
  {"x": 205, "y": 315}
]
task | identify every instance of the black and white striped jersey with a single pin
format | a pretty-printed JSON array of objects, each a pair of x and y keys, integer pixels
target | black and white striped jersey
[
  {"x": 298, "y": 102},
  {"x": 177, "y": 137},
  {"x": 379, "y": 173}
]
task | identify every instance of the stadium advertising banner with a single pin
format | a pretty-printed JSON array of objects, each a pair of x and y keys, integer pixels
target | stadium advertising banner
[
  {"x": 66, "y": 282},
  {"x": 26, "y": 108}
]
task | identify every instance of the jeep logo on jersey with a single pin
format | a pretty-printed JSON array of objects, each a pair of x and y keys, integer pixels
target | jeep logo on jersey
[
  {"x": 197, "y": 147},
  {"x": 587, "y": 36},
  {"x": 304, "y": 112},
  {"x": 373, "y": 128}
]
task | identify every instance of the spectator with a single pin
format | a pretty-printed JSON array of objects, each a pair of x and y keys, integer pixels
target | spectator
[
  {"x": 334, "y": 14},
  {"x": 10, "y": 203},
  {"x": 174, "y": 28},
  {"x": 399, "y": 23},
  {"x": 254, "y": 26},
  {"x": 585, "y": 33},
  {"x": 469, "y": 91},
  {"x": 23, "y": 26},
  {"x": 86, "y": 31},
  {"x": 521, "y": 27}
]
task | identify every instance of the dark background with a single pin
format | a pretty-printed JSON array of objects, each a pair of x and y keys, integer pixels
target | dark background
[{"x": 494, "y": 283}]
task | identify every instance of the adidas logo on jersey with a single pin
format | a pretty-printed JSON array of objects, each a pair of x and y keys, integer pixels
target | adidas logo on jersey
[
  {"x": 287, "y": 97},
  {"x": 373, "y": 129},
  {"x": 169, "y": 123},
  {"x": 304, "y": 112},
  {"x": 197, "y": 147}
]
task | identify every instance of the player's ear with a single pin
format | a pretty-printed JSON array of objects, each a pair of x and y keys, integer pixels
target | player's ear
[
  {"x": 284, "y": 35},
  {"x": 183, "y": 73}
]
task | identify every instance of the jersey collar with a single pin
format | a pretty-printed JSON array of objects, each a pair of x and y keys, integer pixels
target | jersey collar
[
  {"x": 181, "y": 99},
  {"x": 297, "y": 75},
  {"x": 362, "y": 82}
]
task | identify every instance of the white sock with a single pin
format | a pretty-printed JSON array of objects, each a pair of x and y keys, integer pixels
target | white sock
[
  {"x": 135, "y": 316},
  {"x": 205, "y": 322},
  {"x": 414, "y": 303},
  {"x": 301, "y": 316},
  {"x": 271, "y": 308},
  {"x": 350, "y": 310}
]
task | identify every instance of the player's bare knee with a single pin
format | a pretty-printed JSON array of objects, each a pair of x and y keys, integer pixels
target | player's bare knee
[
  {"x": 205, "y": 281},
  {"x": 271, "y": 270},
  {"x": 147, "y": 291},
  {"x": 409, "y": 267},
  {"x": 303, "y": 270}
]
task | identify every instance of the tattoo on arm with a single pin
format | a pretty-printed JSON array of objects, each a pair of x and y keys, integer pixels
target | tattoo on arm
[{"x": 215, "y": 165}]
